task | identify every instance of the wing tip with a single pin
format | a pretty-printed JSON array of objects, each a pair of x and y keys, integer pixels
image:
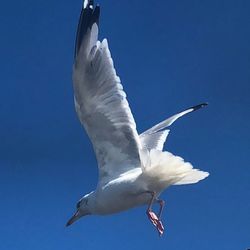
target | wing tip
[
  {"x": 93, "y": 9},
  {"x": 199, "y": 106},
  {"x": 88, "y": 3},
  {"x": 90, "y": 15}
]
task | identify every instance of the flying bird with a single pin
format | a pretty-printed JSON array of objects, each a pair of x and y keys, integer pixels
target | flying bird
[{"x": 133, "y": 168}]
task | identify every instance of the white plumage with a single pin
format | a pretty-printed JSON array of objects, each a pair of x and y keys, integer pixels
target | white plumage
[{"x": 133, "y": 170}]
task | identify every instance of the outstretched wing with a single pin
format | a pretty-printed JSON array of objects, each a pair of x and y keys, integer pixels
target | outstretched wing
[
  {"x": 101, "y": 102},
  {"x": 154, "y": 140},
  {"x": 155, "y": 137}
]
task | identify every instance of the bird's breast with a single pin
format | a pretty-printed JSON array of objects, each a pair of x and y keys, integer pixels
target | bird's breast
[{"x": 120, "y": 195}]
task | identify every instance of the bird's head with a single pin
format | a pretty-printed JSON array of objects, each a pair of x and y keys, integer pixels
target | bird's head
[{"x": 83, "y": 207}]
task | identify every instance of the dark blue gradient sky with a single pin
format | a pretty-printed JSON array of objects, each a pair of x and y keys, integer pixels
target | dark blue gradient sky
[{"x": 170, "y": 55}]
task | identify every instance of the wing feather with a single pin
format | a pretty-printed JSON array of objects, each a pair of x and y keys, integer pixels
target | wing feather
[
  {"x": 155, "y": 137},
  {"x": 155, "y": 140},
  {"x": 101, "y": 102}
]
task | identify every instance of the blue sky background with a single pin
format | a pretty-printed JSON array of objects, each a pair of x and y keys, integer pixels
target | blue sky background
[{"x": 170, "y": 55}]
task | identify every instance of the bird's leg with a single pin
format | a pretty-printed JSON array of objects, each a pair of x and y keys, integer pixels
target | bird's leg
[
  {"x": 151, "y": 215},
  {"x": 160, "y": 226},
  {"x": 162, "y": 204}
]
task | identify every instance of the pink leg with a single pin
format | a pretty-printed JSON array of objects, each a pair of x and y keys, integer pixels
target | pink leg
[
  {"x": 151, "y": 215},
  {"x": 155, "y": 220},
  {"x": 162, "y": 204},
  {"x": 159, "y": 225}
]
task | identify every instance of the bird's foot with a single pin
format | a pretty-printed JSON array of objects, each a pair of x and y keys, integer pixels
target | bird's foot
[
  {"x": 156, "y": 222},
  {"x": 152, "y": 217},
  {"x": 160, "y": 228}
]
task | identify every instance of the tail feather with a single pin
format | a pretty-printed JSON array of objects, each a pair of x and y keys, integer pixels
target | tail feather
[
  {"x": 194, "y": 176},
  {"x": 172, "y": 170}
]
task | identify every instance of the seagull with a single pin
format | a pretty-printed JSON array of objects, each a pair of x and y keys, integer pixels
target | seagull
[{"x": 133, "y": 168}]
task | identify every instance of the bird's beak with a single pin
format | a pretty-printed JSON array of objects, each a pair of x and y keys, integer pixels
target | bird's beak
[{"x": 74, "y": 218}]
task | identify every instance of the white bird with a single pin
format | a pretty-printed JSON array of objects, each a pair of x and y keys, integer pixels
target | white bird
[{"x": 133, "y": 169}]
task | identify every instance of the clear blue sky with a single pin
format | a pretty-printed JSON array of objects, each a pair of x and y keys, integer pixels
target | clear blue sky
[{"x": 170, "y": 55}]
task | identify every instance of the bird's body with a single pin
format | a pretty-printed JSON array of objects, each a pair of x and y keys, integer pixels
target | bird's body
[
  {"x": 119, "y": 194},
  {"x": 133, "y": 168},
  {"x": 132, "y": 188}
]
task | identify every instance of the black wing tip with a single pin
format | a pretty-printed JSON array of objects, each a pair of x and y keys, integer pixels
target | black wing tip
[
  {"x": 199, "y": 106},
  {"x": 90, "y": 14},
  {"x": 92, "y": 10},
  {"x": 96, "y": 14},
  {"x": 90, "y": 5},
  {"x": 87, "y": 4}
]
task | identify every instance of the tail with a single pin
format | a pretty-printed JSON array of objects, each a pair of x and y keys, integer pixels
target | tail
[
  {"x": 192, "y": 177},
  {"x": 172, "y": 170}
]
